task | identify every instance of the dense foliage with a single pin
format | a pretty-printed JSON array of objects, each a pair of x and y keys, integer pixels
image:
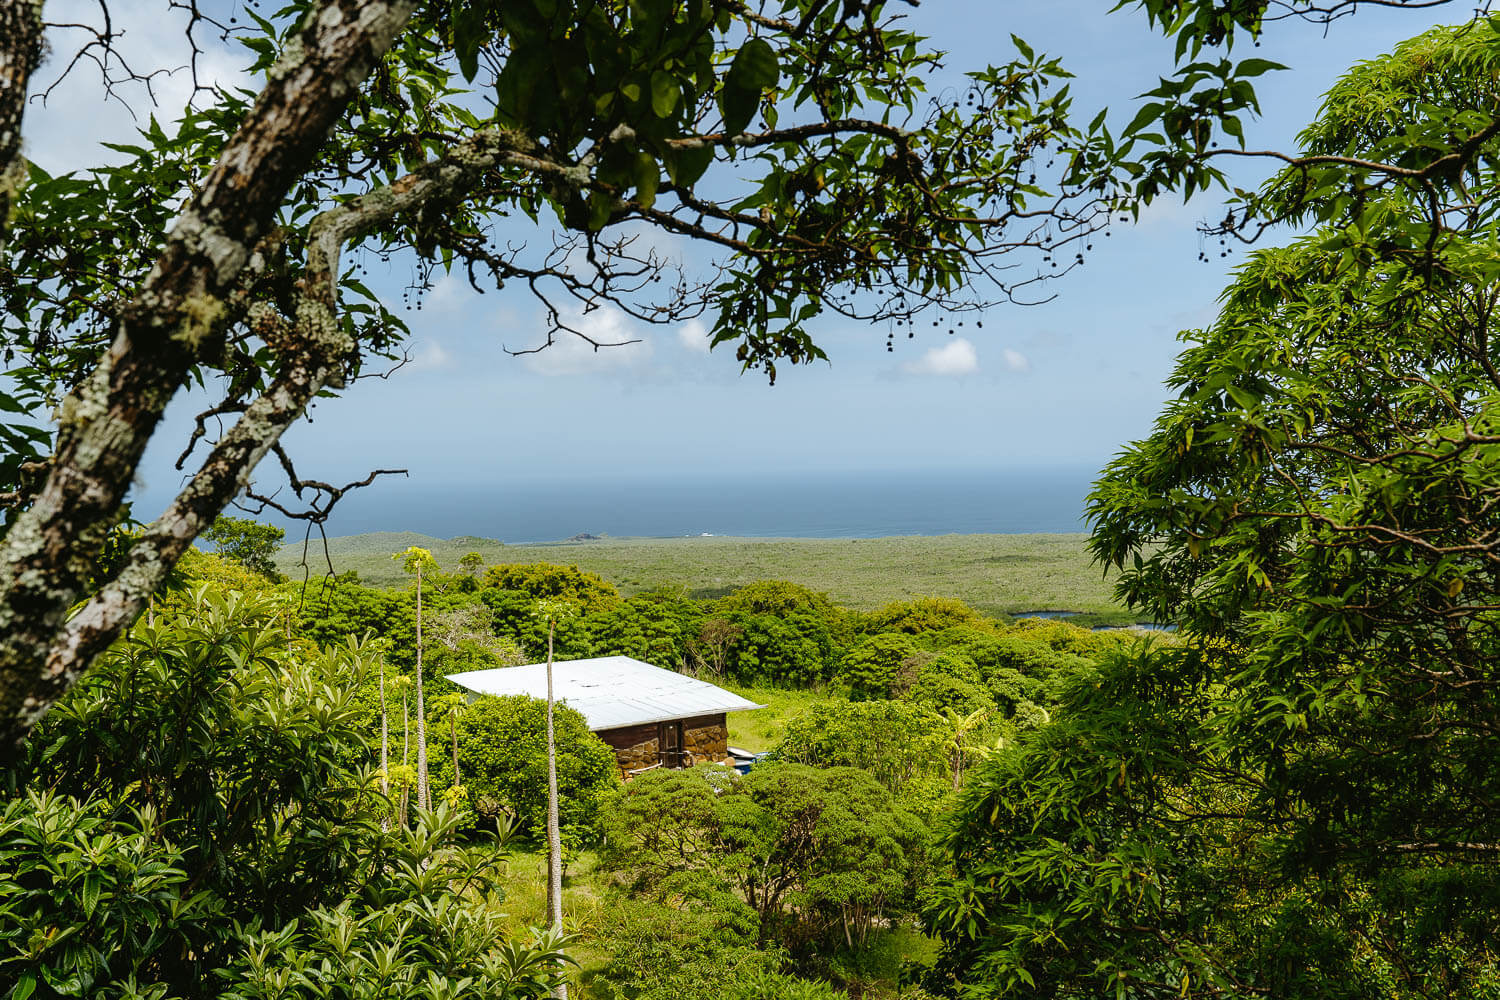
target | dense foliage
[
  {"x": 198, "y": 819},
  {"x": 819, "y": 855},
  {"x": 1299, "y": 802},
  {"x": 503, "y": 764},
  {"x": 247, "y": 542}
]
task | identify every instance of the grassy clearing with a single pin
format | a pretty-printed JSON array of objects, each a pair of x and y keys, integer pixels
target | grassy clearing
[
  {"x": 525, "y": 906},
  {"x": 761, "y": 729},
  {"x": 998, "y": 574}
]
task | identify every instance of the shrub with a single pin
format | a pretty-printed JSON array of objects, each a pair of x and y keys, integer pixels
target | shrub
[
  {"x": 1066, "y": 638},
  {"x": 817, "y": 855},
  {"x": 656, "y": 629},
  {"x": 879, "y": 666},
  {"x": 545, "y": 580},
  {"x": 925, "y": 614},
  {"x": 1010, "y": 688},
  {"x": 703, "y": 948},
  {"x": 796, "y": 650},
  {"x": 902, "y": 744},
  {"x": 514, "y": 616},
  {"x": 502, "y": 751},
  {"x": 943, "y": 692}
]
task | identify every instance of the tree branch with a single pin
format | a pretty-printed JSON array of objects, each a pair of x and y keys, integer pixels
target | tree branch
[
  {"x": 20, "y": 53},
  {"x": 178, "y": 315}
]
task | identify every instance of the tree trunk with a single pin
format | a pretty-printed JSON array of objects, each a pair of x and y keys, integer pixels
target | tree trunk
[
  {"x": 554, "y": 831},
  {"x": 20, "y": 53},
  {"x": 385, "y": 759},
  {"x": 177, "y": 316},
  {"x": 405, "y": 755},
  {"x": 423, "y": 799},
  {"x": 453, "y": 728}
]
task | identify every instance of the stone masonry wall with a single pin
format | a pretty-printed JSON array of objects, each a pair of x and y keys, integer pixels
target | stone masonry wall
[
  {"x": 638, "y": 756},
  {"x": 707, "y": 743}
]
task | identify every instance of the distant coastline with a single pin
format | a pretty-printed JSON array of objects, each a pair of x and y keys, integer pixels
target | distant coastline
[{"x": 824, "y": 505}]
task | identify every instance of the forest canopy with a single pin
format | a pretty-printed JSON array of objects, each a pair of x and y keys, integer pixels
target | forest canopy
[{"x": 218, "y": 784}]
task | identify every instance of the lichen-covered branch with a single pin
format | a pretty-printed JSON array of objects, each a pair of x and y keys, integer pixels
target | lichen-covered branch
[
  {"x": 20, "y": 52},
  {"x": 314, "y": 348},
  {"x": 176, "y": 317}
]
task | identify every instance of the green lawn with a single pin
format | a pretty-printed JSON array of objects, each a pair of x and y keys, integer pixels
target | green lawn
[
  {"x": 998, "y": 574},
  {"x": 525, "y": 906},
  {"x": 760, "y": 729}
]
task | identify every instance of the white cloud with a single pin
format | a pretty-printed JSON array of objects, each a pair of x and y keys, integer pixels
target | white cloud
[
  {"x": 1015, "y": 361},
  {"x": 64, "y": 133},
  {"x": 429, "y": 355},
  {"x": 957, "y": 357},
  {"x": 621, "y": 347},
  {"x": 694, "y": 336},
  {"x": 451, "y": 294}
]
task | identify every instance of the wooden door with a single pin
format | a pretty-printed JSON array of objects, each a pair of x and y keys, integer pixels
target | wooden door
[{"x": 669, "y": 740}]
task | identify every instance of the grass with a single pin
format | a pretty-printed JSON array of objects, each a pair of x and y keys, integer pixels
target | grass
[
  {"x": 997, "y": 574},
  {"x": 761, "y": 729},
  {"x": 525, "y": 906}
]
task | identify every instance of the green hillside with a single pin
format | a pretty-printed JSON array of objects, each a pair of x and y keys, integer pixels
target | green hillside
[{"x": 1004, "y": 574}]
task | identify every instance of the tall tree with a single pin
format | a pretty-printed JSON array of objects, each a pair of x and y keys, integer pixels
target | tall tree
[
  {"x": 1300, "y": 800},
  {"x": 552, "y": 611},
  {"x": 247, "y": 542}
]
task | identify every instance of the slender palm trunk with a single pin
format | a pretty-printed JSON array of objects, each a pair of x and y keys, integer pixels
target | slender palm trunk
[
  {"x": 423, "y": 798},
  {"x": 453, "y": 729},
  {"x": 554, "y": 832},
  {"x": 385, "y": 754},
  {"x": 405, "y": 756}
]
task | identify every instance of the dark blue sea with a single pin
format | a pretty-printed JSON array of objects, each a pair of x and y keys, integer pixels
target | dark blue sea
[{"x": 813, "y": 505}]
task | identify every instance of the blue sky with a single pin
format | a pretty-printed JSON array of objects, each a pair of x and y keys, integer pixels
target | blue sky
[{"x": 1062, "y": 384}]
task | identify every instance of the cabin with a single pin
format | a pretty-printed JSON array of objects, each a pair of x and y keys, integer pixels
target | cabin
[{"x": 651, "y": 717}]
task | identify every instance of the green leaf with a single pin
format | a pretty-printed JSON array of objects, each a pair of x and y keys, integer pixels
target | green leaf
[
  {"x": 90, "y": 893},
  {"x": 685, "y": 166},
  {"x": 664, "y": 94},
  {"x": 1143, "y": 117},
  {"x": 468, "y": 35},
  {"x": 647, "y": 179},
  {"x": 1255, "y": 67},
  {"x": 754, "y": 70},
  {"x": 601, "y": 206},
  {"x": 756, "y": 65}
]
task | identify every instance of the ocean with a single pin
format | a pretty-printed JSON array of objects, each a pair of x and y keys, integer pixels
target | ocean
[{"x": 818, "y": 505}]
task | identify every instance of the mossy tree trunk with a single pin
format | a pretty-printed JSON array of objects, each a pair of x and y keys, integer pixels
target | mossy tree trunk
[{"x": 554, "y": 829}]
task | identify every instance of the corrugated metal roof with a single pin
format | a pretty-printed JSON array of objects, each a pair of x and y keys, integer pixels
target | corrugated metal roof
[{"x": 610, "y": 691}]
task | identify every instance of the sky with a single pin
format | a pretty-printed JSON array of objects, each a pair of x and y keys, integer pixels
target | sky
[{"x": 1060, "y": 385}]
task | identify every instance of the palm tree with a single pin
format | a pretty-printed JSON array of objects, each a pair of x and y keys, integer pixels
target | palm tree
[
  {"x": 402, "y": 683},
  {"x": 961, "y": 727},
  {"x": 415, "y": 561},
  {"x": 552, "y": 611}
]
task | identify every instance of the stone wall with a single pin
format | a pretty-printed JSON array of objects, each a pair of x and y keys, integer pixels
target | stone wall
[
  {"x": 706, "y": 737},
  {"x": 636, "y": 757},
  {"x": 710, "y": 742}
]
